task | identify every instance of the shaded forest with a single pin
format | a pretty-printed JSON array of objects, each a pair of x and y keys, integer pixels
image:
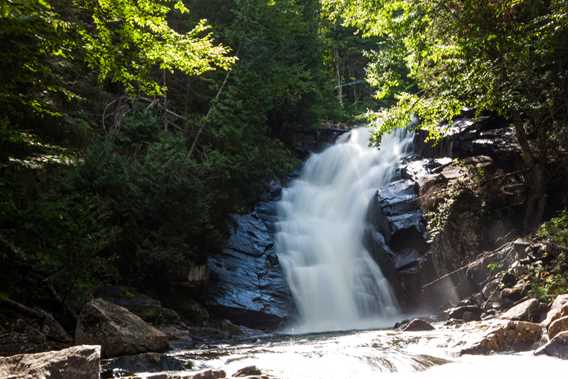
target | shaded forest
[{"x": 130, "y": 130}]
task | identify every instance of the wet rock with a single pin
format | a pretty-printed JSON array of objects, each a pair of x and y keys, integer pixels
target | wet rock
[
  {"x": 395, "y": 213},
  {"x": 528, "y": 310},
  {"x": 490, "y": 288},
  {"x": 557, "y": 326},
  {"x": 207, "y": 374},
  {"x": 407, "y": 260},
  {"x": 509, "y": 336},
  {"x": 116, "y": 373},
  {"x": 558, "y": 309},
  {"x": 247, "y": 285},
  {"x": 557, "y": 347},
  {"x": 77, "y": 362},
  {"x": 27, "y": 330},
  {"x": 509, "y": 296},
  {"x": 400, "y": 324},
  {"x": 145, "y": 362},
  {"x": 119, "y": 331},
  {"x": 468, "y": 136},
  {"x": 509, "y": 280},
  {"x": 247, "y": 371},
  {"x": 417, "y": 325},
  {"x": 466, "y": 313},
  {"x": 147, "y": 308}
]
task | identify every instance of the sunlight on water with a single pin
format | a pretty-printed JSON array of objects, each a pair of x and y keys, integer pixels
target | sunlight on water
[
  {"x": 379, "y": 354},
  {"x": 335, "y": 283}
]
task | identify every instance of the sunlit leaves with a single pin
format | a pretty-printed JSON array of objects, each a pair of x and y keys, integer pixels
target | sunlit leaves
[
  {"x": 505, "y": 56},
  {"x": 133, "y": 37}
]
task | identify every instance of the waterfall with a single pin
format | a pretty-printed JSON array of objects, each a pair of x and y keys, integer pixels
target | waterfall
[{"x": 335, "y": 283}]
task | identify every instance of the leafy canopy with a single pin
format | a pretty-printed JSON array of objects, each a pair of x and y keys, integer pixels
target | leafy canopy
[{"x": 503, "y": 56}]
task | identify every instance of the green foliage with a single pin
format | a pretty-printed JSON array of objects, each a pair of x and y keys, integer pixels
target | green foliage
[
  {"x": 547, "y": 282},
  {"x": 494, "y": 267},
  {"x": 556, "y": 230},
  {"x": 56, "y": 243},
  {"x": 506, "y": 57},
  {"x": 548, "y": 275},
  {"x": 131, "y": 38},
  {"x": 171, "y": 209},
  {"x": 50, "y": 45}
]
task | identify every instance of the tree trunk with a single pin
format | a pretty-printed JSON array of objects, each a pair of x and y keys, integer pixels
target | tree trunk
[{"x": 337, "y": 59}]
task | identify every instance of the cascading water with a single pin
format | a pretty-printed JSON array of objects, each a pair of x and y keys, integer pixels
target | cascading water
[{"x": 335, "y": 283}]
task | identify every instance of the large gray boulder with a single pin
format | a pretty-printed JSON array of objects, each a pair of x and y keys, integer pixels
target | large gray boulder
[
  {"x": 506, "y": 337},
  {"x": 29, "y": 330},
  {"x": 528, "y": 310},
  {"x": 117, "y": 330},
  {"x": 558, "y": 309},
  {"x": 417, "y": 325},
  {"x": 558, "y": 326},
  {"x": 147, "y": 308},
  {"x": 557, "y": 347},
  {"x": 77, "y": 362}
]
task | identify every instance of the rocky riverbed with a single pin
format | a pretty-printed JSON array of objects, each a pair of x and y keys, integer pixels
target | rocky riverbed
[{"x": 445, "y": 350}]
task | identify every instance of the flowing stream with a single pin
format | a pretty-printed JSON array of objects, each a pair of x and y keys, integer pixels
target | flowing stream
[
  {"x": 336, "y": 285},
  {"x": 373, "y": 354}
]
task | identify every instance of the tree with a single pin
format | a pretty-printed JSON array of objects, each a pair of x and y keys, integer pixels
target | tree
[
  {"x": 507, "y": 57},
  {"x": 50, "y": 44}
]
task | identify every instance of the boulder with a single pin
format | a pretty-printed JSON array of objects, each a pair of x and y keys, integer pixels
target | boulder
[
  {"x": 119, "y": 331},
  {"x": 27, "y": 330},
  {"x": 490, "y": 288},
  {"x": 77, "y": 362},
  {"x": 247, "y": 371},
  {"x": 395, "y": 214},
  {"x": 557, "y": 347},
  {"x": 147, "y": 308},
  {"x": 417, "y": 325},
  {"x": 145, "y": 362},
  {"x": 207, "y": 374},
  {"x": 528, "y": 310},
  {"x": 466, "y": 313},
  {"x": 514, "y": 294},
  {"x": 557, "y": 326},
  {"x": 558, "y": 309},
  {"x": 508, "y": 336}
]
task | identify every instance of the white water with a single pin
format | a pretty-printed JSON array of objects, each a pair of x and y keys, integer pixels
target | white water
[
  {"x": 335, "y": 283},
  {"x": 376, "y": 354}
]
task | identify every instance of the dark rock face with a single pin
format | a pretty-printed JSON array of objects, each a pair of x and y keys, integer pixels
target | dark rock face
[
  {"x": 472, "y": 201},
  {"x": 247, "y": 284},
  {"x": 396, "y": 238},
  {"x": 77, "y": 362},
  {"x": 468, "y": 137},
  {"x": 117, "y": 330}
]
